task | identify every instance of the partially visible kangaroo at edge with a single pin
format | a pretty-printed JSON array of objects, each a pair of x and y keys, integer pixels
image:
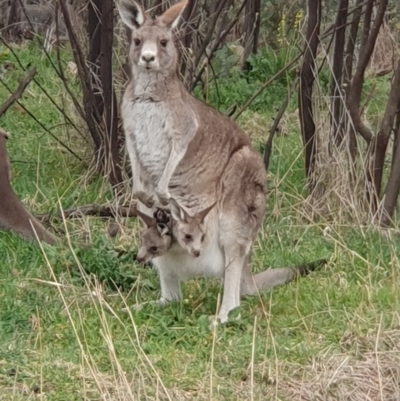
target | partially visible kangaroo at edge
[
  {"x": 13, "y": 215},
  {"x": 181, "y": 148}
]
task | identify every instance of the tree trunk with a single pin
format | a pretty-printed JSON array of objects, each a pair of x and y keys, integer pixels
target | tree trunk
[
  {"x": 251, "y": 29},
  {"x": 393, "y": 185},
  {"x": 94, "y": 33},
  {"x": 380, "y": 141},
  {"x": 100, "y": 30},
  {"x": 99, "y": 100},
  {"x": 337, "y": 114},
  {"x": 188, "y": 30},
  {"x": 109, "y": 152},
  {"x": 307, "y": 77},
  {"x": 348, "y": 73},
  {"x": 357, "y": 82},
  {"x": 13, "y": 31}
]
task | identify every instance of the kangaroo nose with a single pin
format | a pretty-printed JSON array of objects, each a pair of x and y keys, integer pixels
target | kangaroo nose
[
  {"x": 148, "y": 57},
  {"x": 196, "y": 253}
]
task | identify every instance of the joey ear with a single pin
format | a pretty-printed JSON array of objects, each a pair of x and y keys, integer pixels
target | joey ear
[
  {"x": 4, "y": 133},
  {"x": 202, "y": 215},
  {"x": 162, "y": 216},
  {"x": 162, "y": 228},
  {"x": 176, "y": 211},
  {"x": 148, "y": 220},
  {"x": 132, "y": 13},
  {"x": 171, "y": 17}
]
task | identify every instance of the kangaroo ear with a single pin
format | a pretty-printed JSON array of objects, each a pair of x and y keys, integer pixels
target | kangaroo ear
[
  {"x": 176, "y": 211},
  {"x": 171, "y": 17},
  {"x": 148, "y": 220},
  {"x": 162, "y": 228},
  {"x": 202, "y": 215},
  {"x": 132, "y": 13}
]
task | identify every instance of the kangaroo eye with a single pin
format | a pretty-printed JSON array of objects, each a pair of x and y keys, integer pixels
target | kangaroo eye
[
  {"x": 188, "y": 237},
  {"x": 202, "y": 238},
  {"x": 153, "y": 249},
  {"x": 163, "y": 42},
  {"x": 137, "y": 41}
]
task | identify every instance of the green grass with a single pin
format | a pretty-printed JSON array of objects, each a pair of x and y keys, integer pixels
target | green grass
[{"x": 64, "y": 337}]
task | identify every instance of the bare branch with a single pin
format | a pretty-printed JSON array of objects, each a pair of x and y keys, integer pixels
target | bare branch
[
  {"x": 211, "y": 27},
  {"x": 40, "y": 86},
  {"x": 265, "y": 85},
  {"x": 18, "y": 92},
  {"x": 41, "y": 124},
  {"x": 357, "y": 82},
  {"x": 216, "y": 44},
  {"x": 272, "y": 131}
]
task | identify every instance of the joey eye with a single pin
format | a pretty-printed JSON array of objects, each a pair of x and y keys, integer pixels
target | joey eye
[
  {"x": 163, "y": 42},
  {"x": 153, "y": 249},
  {"x": 137, "y": 41},
  {"x": 202, "y": 237},
  {"x": 188, "y": 237}
]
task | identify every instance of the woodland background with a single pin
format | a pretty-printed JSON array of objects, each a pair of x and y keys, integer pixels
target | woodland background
[{"x": 316, "y": 84}]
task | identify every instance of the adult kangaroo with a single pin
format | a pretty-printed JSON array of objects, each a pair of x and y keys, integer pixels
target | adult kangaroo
[
  {"x": 180, "y": 147},
  {"x": 13, "y": 214}
]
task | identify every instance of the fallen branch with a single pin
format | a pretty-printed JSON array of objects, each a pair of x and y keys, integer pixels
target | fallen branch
[
  {"x": 91, "y": 210},
  {"x": 18, "y": 92}
]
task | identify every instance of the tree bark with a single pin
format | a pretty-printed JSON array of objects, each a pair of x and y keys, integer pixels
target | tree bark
[
  {"x": 99, "y": 98},
  {"x": 380, "y": 141},
  {"x": 94, "y": 33},
  {"x": 13, "y": 31},
  {"x": 348, "y": 73},
  {"x": 307, "y": 77},
  {"x": 337, "y": 74},
  {"x": 251, "y": 29},
  {"x": 393, "y": 185},
  {"x": 357, "y": 82},
  {"x": 187, "y": 38},
  {"x": 109, "y": 152}
]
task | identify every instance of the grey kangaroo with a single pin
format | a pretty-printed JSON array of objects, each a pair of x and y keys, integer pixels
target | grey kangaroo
[{"x": 181, "y": 148}]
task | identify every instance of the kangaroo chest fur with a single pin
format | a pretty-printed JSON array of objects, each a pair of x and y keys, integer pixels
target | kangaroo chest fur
[
  {"x": 179, "y": 263},
  {"x": 149, "y": 129}
]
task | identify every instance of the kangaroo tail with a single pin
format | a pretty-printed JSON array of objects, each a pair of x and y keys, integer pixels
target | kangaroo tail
[{"x": 271, "y": 278}]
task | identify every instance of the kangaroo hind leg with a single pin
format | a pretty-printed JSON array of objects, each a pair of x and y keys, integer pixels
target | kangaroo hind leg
[{"x": 235, "y": 260}]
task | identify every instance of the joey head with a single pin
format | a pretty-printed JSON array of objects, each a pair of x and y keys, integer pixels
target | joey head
[
  {"x": 189, "y": 231},
  {"x": 156, "y": 238}
]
